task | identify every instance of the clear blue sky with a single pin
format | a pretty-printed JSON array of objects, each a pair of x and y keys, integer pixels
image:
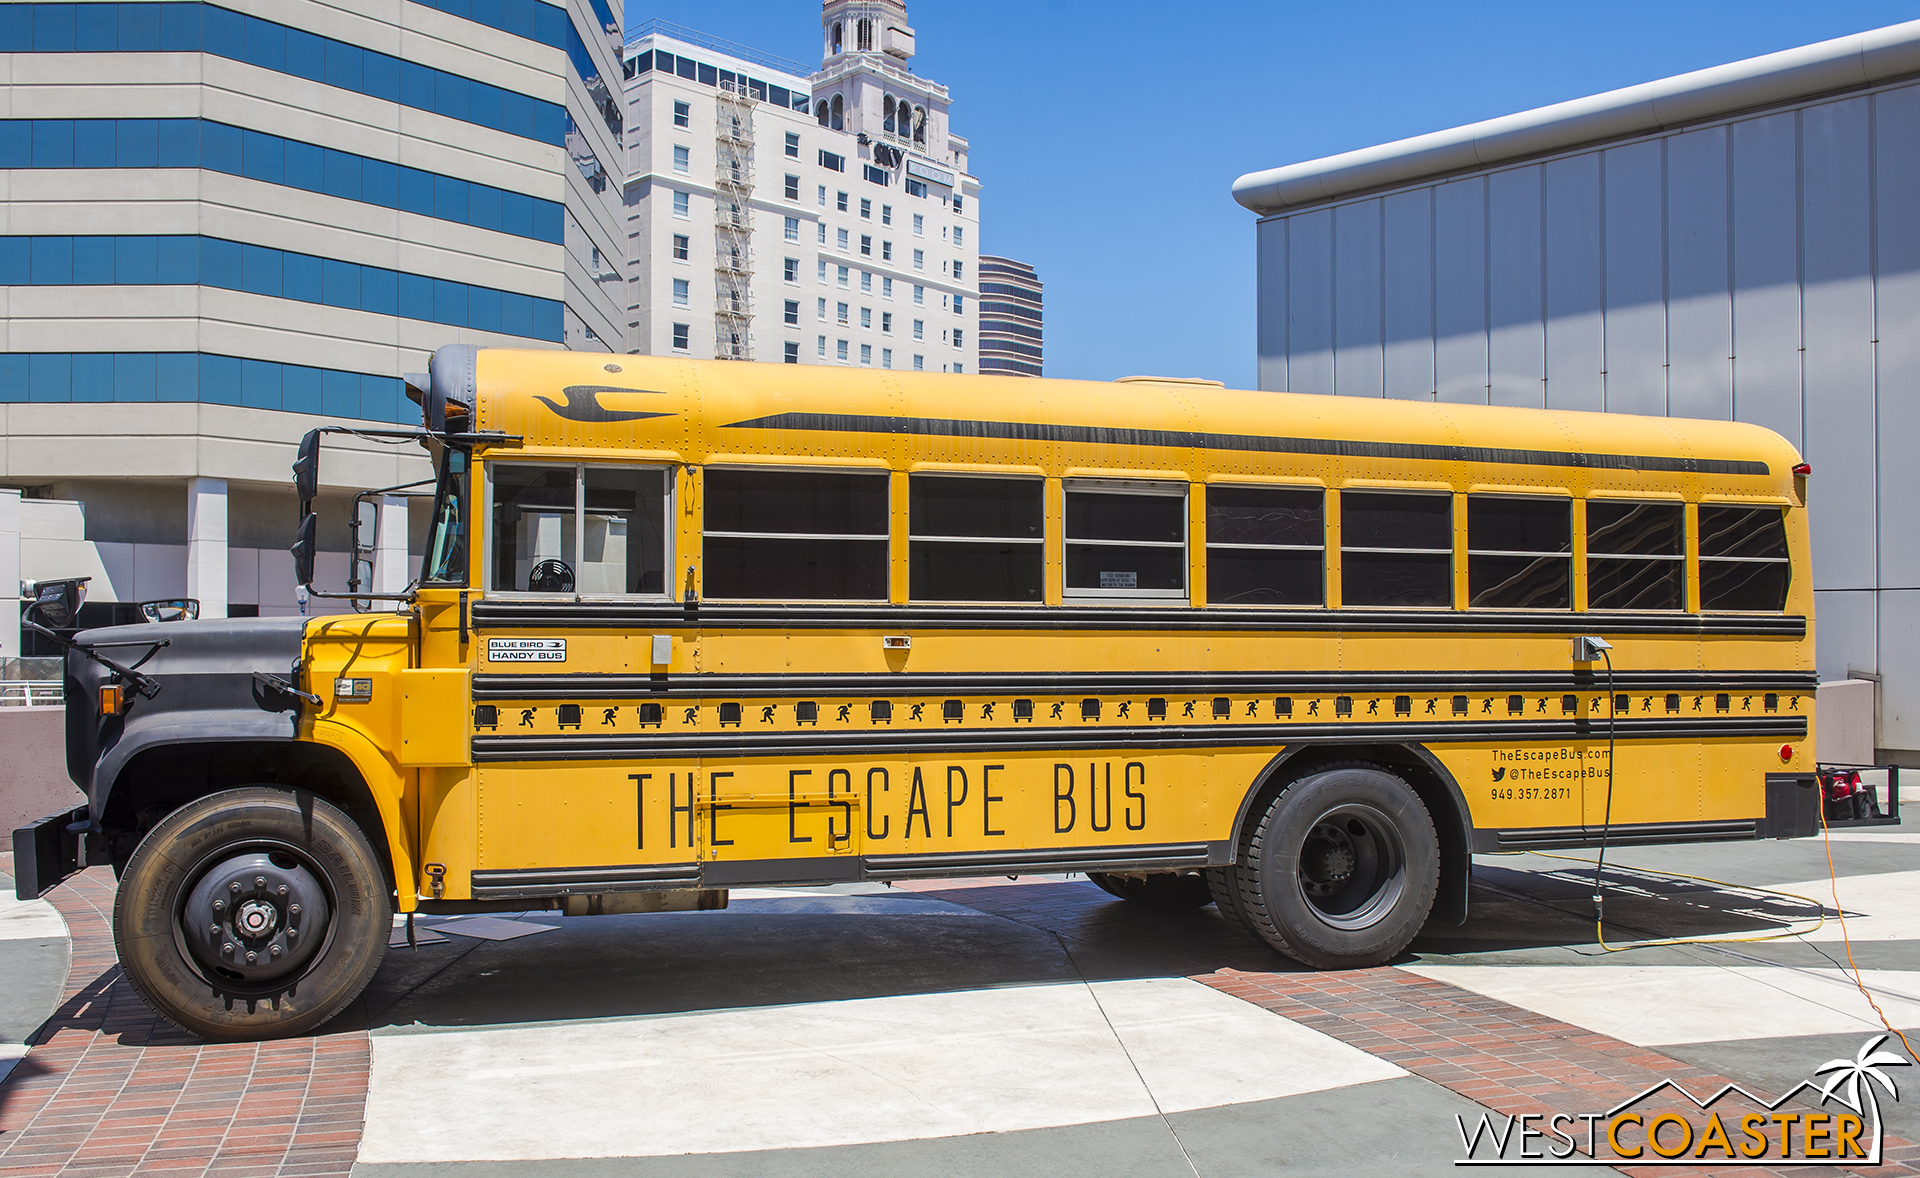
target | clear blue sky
[{"x": 1107, "y": 136}]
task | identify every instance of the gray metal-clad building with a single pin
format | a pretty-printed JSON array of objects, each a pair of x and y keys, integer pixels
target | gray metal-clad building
[{"x": 1740, "y": 242}]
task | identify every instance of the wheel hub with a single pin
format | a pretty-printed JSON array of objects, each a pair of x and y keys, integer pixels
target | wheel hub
[{"x": 255, "y": 917}]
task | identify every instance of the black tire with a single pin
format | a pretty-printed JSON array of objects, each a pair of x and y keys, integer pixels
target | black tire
[
  {"x": 1341, "y": 870},
  {"x": 296, "y": 914},
  {"x": 1226, "y": 895},
  {"x": 1163, "y": 891}
]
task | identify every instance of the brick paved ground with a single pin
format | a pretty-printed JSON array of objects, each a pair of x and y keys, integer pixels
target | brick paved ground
[
  {"x": 112, "y": 1089},
  {"x": 1505, "y": 1058}
]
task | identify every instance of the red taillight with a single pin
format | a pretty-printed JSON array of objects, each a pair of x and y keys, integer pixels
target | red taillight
[
  {"x": 1786, "y": 752},
  {"x": 1804, "y": 469}
]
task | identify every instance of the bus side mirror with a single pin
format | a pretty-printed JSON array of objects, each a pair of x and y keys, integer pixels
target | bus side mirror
[
  {"x": 306, "y": 472},
  {"x": 302, "y": 549},
  {"x": 58, "y": 602}
]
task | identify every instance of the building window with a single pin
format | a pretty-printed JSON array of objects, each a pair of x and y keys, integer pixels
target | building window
[
  {"x": 959, "y": 367},
  {"x": 958, "y": 202},
  {"x": 886, "y": 288},
  {"x": 879, "y": 176},
  {"x": 1396, "y": 549},
  {"x": 1519, "y": 552},
  {"x": 958, "y": 269},
  {"x": 919, "y": 363},
  {"x": 866, "y": 245},
  {"x": 866, "y": 317},
  {"x": 919, "y": 296},
  {"x": 1126, "y": 540},
  {"x": 679, "y": 247},
  {"x": 812, "y": 535},
  {"x": 793, "y": 145},
  {"x": 821, "y": 346},
  {"x": 866, "y": 281},
  {"x": 1636, "y": 555},
  {"x": 840, "y": 239},
  {"x": 840, "y": 350},
  {"x": 680, "y": 203},
  {"x": 959, "y": 304},
  {"x": 915, "y": 187},
  {"x": 959, "y": 338},
  {"x": 792, "y": 352},
  {"x": 822, "y": 235},
  {"x": 886, "y": 321},
  {"x": 790, "y": 269},
  {"x": 680, "y": 112},
  {"x": 832, "y": 162},
  {"x": 838, "y": 120},
  {"x": 681, "y": 158},
  {"x": 842, "y": 276},
  {"x": 821, "y": 309},
  {"x": 840, "y": 202},
  {"x": 792, "y": 313},
  {"x": 679, "y": 337},
  {"x": 866, "y": 354},
  {"x": 823, "y": 272},
  {"x": 886, "y": 214},
  {"x": 959, "y": 235},
  {"x": 919, "y": 259},
  {"x": 792, "y": 188},
  {"x": 886, "y": 357},
  {"x": 919, "y": 329},
  {"x": 820, "y": 113},
  {"x": 866, "y": 209},
  {"x": 840, "y": 312},
  {"x": 1266, "y": 546},
  {"x": 680, "y": 292},
  {"x": 886, "y": 251},
  {"x": 1743, "y": 558},
  {"x": 823, "y": 196},
  {"x": 792, "y": 229}
]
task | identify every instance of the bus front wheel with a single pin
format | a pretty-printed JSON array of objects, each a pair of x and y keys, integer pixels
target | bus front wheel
[
  {"x": 1341, "y": 869},
  {"x": 253, "y": 913}
]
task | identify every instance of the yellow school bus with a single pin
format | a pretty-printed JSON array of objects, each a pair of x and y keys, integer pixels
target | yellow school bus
[{"x": 684, "y": 626}]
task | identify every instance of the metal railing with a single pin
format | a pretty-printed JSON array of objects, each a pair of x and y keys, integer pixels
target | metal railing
[
  {"x": 718, "y": 45},
  {"x": 32, "y": 693}
]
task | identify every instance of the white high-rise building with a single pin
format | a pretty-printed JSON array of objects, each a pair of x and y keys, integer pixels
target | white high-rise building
[{"x": 782, "y": 216}]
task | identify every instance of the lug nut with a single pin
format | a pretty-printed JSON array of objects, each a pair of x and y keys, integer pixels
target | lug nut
[
  {"x": 234, "y": 886},
  {"x": 252, "y": 957},
  {"x": 275, "y": 951},
  {"x": 294, "y": 908},
  {"x": 283, "y": 889},
  {"x": 259, "y": 881},
  {"x": 214, "y": 929},
  {"x": 227, "y": 948},
  {"x": 292, "y": 933},
  {"x": 219, "y": 905}
]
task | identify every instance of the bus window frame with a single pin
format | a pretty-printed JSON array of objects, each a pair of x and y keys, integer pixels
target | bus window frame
[
  {"x": 1574, "y": 569},
  {"x": 1700, "y": 560},
  {"x": 1040, "y": 541},
  {"x": 1247, "y": 483},
  {"x": 1689, "y": 577},
  {"x": 884, "y": 471},
  {"x": 1169, "y": 488},
  {"x": 466, "y": 480},
  {"x": 1456, "y": 533},
  {"x": 669, "y": 513}
]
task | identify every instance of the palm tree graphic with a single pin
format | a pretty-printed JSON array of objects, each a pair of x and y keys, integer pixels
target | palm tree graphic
[{"x": 1845, "y": 1082}]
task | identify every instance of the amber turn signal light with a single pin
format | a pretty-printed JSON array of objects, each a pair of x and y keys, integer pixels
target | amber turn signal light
[{"x": 113, "y": 699}]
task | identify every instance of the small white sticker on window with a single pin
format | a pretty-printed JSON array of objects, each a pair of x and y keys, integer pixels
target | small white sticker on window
[
  {"x": 1113, "y": 580},
  {"x": 526, "y": 650}
]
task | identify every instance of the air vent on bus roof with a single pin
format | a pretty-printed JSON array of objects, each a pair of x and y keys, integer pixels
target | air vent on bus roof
[{"x": 1200, "y": 380}]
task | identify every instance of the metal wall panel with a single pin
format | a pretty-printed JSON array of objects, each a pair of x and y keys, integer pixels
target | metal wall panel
[
  {"x": 1699, "y": 295},
  {"x": 1408, "y": 240},
  {"x": 1899, "y": 655},
  {"x": 1357, "y": 304},
  {"x": 1766, "y": 272},
  {"x": 1846, "y": 641},
  {"x": 1837, "y": 313},
  {"x": 1310, "y": 302},
  {"x": 1576, "y": 331},
  {"x": 1636, "y": 279},
  {"x": 1460, "y": 290},
  {"x": 1516, "y": 336},
  {"x": 1897, "y": 304},
  {"x": 1271, "y": 244}
]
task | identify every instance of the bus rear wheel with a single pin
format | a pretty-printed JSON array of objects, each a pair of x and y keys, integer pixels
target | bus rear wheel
[
  {"x": 1163, "y": 891},
  {"x": 253, "y": 913},
  {"x": 1341, "y": 870}
]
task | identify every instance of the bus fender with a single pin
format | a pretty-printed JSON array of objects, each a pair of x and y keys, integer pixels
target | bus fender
[{"x": 375, "y": 770}]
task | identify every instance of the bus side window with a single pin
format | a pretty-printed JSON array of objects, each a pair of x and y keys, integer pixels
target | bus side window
[
  {"x": 813, "y": 535},
  {"x": 1519, "y": 552},
  {"x": 1743, "y": 558},
  {"x": 1396, "y": 548},
  {"x": 589, "y": 530},
  {"x": 1266, "y": 546},
  {"x": 1636, "y": 555},
  {"x": 1126, "y": 540},
  {"x": 975, "y": 539}
]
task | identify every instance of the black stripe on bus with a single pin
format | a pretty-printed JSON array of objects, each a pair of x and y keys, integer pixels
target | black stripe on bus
[
  {"x": 1102, "y": 435},
  {"x": 883, "y": 685},
  {"x": 734, "y": 744},
  {"x": 568, "y": 614}
]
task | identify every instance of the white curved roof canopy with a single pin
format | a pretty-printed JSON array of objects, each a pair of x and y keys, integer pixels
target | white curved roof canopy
[{"x": 1845, "y": 62}]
